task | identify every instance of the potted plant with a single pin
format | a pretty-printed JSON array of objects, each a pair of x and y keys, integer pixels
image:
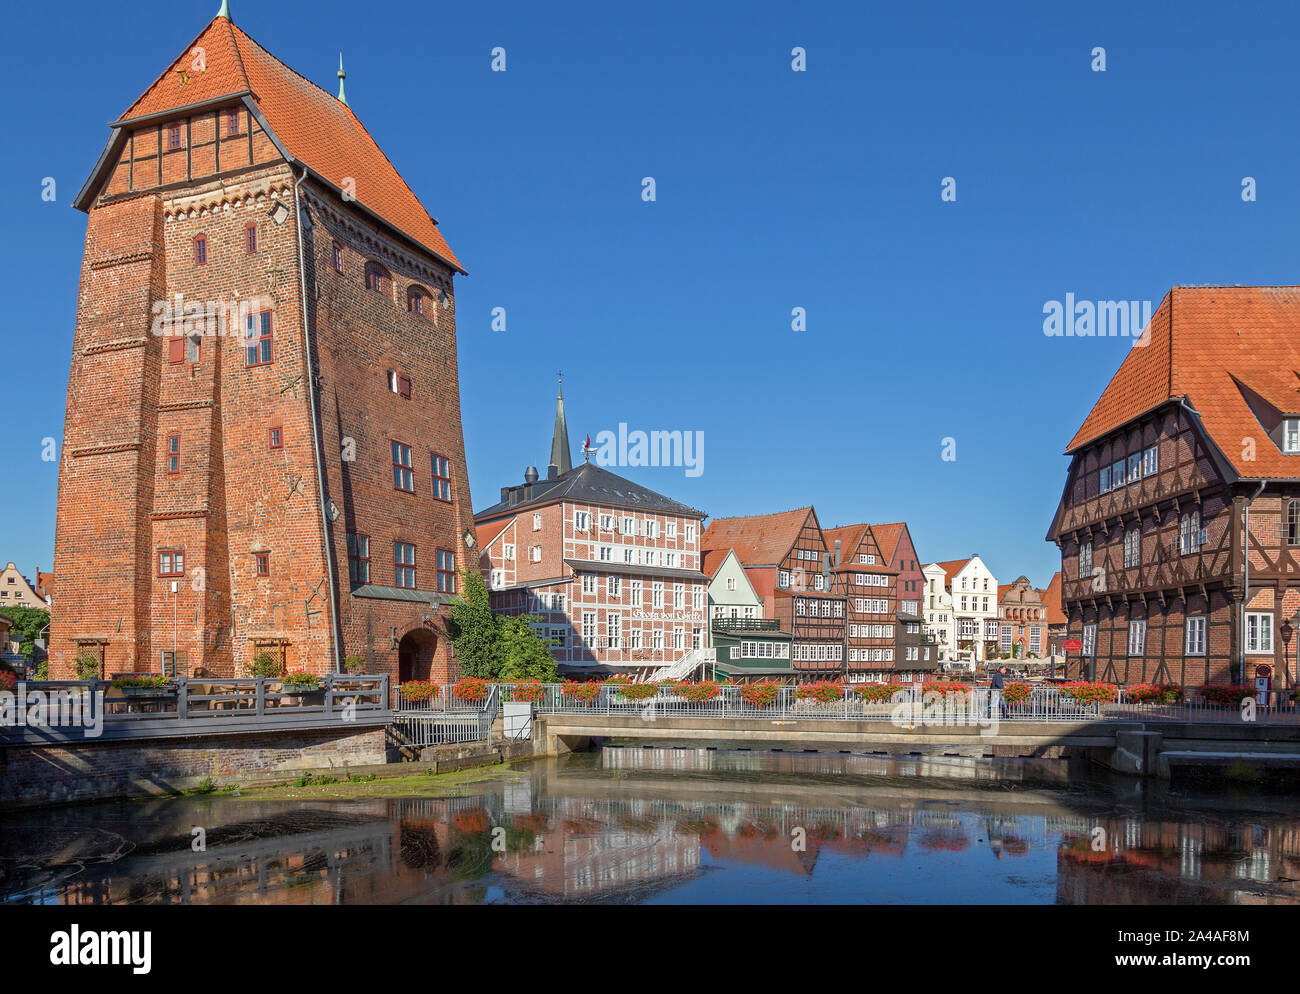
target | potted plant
[
  {"x": 418, "y": 691},
  {"x": 142, "y": 686},
  {"x": 301, "y": 685}
]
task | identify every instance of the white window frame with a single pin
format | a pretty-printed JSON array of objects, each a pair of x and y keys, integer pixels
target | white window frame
[
  {"x": 1194, "y": 635},
  {"x": 1259, "y": 633},
  {"x": 1137, "y": 637},
  {"x": 1090, "y": 640}
]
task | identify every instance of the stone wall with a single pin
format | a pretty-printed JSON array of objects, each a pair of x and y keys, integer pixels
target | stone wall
[{"x": 88, "y": 771}]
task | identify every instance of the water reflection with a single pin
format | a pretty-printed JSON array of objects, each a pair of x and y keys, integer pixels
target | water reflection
[{"x": 682, "y": 825}]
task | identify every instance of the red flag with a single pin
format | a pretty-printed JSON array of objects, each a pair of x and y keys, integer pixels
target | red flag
[{"x": 588, "y": 444}]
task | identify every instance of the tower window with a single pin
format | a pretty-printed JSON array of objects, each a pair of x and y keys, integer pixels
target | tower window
[
  {"x": 403, "y": 472},
  {"x": 263, "y": 560},
  {"x": 171, "y": 562},
  {"x": 276, "y": 437},
  {"x": 257, "y": 339},
  {"x": 358, "y": 557},
  {"x": 173, "y": 453},
  {"x": 200, "y": 249},
  {"x": 338, "y": 257},
  {"x": 441, "y": 477},
  {"x": 250, "y": 238},
  {"x": 404, "y": 564},
  {"x": 446, "y": 571},
  {"x": 377, "y": 278}
]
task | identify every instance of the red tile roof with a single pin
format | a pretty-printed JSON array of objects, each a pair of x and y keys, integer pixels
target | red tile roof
[
  {"x": 1052, "y": 601},
  {"x": 1206, "y": 343},
  {"x": 888, "y": 537},
  {"x": 759, "y": 539},
  {"x": 313, "y": 126},
  {"x": 44, "y": 581},
  {"x": 951, "y": 568},
  {"x": 485, "y": 535}
]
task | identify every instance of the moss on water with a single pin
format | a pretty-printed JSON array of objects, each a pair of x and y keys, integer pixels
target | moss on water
[{"x": 412, "y": 785}]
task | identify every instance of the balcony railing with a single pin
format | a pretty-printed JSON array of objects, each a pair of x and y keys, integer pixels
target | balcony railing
[{"x": 746, "y": 625}]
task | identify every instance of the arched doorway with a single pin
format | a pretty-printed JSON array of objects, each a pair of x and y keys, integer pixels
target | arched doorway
[{"x": 415, "y": 655}]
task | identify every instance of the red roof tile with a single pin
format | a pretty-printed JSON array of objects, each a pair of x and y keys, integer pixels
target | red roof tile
[
  {"x": 887, "y": 537},
  {"x": 312, "y": 125},
  {"x": 1206, "y": 343},
  {"x": 951, "y": 568},
  {"x": 759, "y": 539},
  {"x": 1052, "y": 601}
]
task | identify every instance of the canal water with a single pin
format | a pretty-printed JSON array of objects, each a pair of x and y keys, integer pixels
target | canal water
[{"x": 638, "y": 825}]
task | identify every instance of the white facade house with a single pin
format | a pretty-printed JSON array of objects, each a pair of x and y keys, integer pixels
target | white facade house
[
  {"x": 731, "y": 596},
  {"x": 961, "y": 610}
]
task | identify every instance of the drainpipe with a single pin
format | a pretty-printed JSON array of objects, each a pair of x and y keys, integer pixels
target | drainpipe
[
  {"x": 335, "y": 639},
  {"x": 1245, "y": 596}
]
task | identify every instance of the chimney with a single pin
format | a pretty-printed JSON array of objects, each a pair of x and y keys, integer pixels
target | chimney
[
  {"x": 837, "y": 552},
  {"x": 552, "y": 471}
]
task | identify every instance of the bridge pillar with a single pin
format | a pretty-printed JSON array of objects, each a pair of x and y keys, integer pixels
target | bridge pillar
[{"x": 1136, "y": 753}]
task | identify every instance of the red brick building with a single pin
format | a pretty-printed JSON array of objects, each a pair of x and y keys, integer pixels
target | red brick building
[
  {"x": 1022, "y": 619},
  {"x": 611, "y": 567},
  {"x": 860, "y": 573},
  {"x": 262, "y": 449},
  {"x": 895, "y": 541},
  {"x": 789, "y": 564},
  {"x": 1179, "y": 524}
]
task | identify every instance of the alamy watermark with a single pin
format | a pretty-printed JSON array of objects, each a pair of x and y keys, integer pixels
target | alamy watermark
[
  {"x": 1097, "y": 319},
  {"x": 653, "y": 448},
  {"x": 65, "y": 707}
]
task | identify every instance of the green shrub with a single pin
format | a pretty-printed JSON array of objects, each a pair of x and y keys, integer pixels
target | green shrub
[{"x": 265, "y": 664}]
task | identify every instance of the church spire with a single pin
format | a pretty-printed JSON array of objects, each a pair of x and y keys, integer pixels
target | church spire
[
  {"x": 561, "y": 461},
  {"x": 225, "y": 9}
]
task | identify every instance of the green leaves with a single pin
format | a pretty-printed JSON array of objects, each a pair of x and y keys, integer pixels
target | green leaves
[{"x": 492, "y": 647}]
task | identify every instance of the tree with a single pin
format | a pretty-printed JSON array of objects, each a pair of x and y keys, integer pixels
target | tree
[
  {"x": 473, "y": 628},
  {"x": 29, "y": 624},
  {"x": 525, "y": 655},
  {"x": 493, "y": 647}
]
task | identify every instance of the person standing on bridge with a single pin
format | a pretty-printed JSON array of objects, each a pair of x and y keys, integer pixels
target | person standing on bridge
[{"x": 996, "y": 686}]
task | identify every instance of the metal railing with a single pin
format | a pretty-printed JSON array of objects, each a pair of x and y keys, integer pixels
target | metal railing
[
  {"x": 444, "y": 718},
  {"x": 1044, "y": 704},
  {"x": 186, "y": 705}
]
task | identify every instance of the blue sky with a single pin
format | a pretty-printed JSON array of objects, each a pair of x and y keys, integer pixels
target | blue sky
[{"x": 775, "y": 189}]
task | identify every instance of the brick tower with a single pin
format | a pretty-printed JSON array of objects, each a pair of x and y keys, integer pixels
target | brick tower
[{"x": 262, "y": 448}]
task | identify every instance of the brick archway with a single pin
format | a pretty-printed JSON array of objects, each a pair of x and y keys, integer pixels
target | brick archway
[{"x": 415, "y": 654}]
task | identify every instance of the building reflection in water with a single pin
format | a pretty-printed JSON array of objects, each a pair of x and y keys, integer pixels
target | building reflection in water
[{"x": 632, "y": 824}]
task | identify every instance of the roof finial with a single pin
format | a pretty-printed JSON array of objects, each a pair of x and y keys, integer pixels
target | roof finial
[
  {"x": 225, "y": 9},
  {"x": 559, "y": 378},
  {"x": 343, "y": 97}
]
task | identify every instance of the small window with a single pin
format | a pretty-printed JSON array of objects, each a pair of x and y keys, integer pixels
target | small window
[
  {"x": 173, "y": 453},
  {"x": 1291, "y": 435},
  {"x": 338, "y": 257},
  {"x": 263, "y": 560},
  {"x": 171, "y": 562},
  {"x": 358, "y": 557},
  {"x": 257, "y": 339},
  {"x": 250, "y": 238},
  {"x": 404, "y": 564},
  {"x": 446, "y": 571},
  {"x": 441, "y": 477},
  {"x": 1293, "y": 522},
  {"x": 404, "y": 386},
  {"x": 232, "y": 123},
  {"x": 176, "y": 350},
  {"x": 403, "y": 472},
  {"x": 200, "y": 250},
  {"x": 417, "y": 301},
  {"x": 377, "y": 278},
  {"x": 276, "y": 437},
  {"x": 174, "y": 136},
  {"x": 193, "y": 347}
]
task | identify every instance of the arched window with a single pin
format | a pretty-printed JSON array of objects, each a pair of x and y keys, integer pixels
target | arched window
[
  {"x": 200, "y": 249},
  {"x": 377, "y": 278},
  {"x": 419, "y": 302},
  {"x": 1293, "y": 522}
]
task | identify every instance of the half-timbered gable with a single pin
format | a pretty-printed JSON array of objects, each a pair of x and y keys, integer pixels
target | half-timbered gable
[{"x": 1197, "y": 433}]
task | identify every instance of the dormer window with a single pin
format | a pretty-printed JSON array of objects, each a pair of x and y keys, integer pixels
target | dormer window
[{"x": 1291, "y": 436}]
